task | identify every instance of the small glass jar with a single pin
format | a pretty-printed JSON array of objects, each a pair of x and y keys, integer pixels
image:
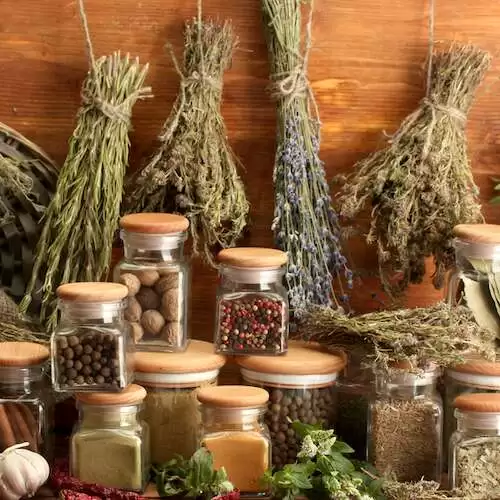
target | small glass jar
[
  {"x": 475, "y": 376},
  {"x": 24, "y": 403},
  {"x": 301, "y": 386},
  {"x": 91, "y": 347},
  {"x": 233, "y": 430},
  {"x": 157, "y": 277},
  {"x": 172, "y": 381},
  {"x": 475, "y": 446},
  {"x": 110, "y": 444},
  {"x": 252, "y": 303},
  {"x": 405, "y": 421},
  {"x": 476, "y": 280}
]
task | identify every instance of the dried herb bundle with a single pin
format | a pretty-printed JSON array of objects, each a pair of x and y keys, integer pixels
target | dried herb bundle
[
  {"x": 305, "y": 224},
  {"x": 441, "y": 334},
  {"x": 420, "y": 186},
  {"x": 194, "y": 170},
  {"x": 81, "y": 219},
  {"x": 421, "y": 490}
]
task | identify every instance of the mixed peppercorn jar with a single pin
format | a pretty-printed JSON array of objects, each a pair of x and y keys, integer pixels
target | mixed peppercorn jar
[
  {"x": 110, "y": 444},
  {"x": 252, "y": 303},
  {"x": 301, "y": 386},
  {"x": 172, "y": 381},
  {"x": 156, "y": 274},
  {"x": 91, "y": 347},
  {"x": 233, "y": 430},
  {"x": 24, "y": 397}
]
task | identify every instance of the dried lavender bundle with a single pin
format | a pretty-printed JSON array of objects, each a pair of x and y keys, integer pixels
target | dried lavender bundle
[
  {"x": 81, "y": 219},
  {"x": 194, "y": 170},
  {"x": 420, "y": 186},
  {"x": 305, "y": 224},
  {"x": 440, "y": 333}
]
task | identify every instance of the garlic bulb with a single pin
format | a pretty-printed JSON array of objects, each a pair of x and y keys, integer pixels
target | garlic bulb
[{"x": 22, "y": 472}]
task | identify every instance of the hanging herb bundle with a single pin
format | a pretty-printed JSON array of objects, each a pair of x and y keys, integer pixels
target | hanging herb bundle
[
  {"x": 440, "y": 333},
  {"x": 420, "y": 186},
  {"x": 194, "y": 170},
  {"x": 81, "y": 220},
  {"x": 305, "y": 224}
]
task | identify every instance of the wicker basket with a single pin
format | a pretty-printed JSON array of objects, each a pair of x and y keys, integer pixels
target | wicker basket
[{"x": 20, "y": 231}]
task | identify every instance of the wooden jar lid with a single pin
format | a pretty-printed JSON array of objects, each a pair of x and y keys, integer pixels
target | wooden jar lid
[
  {"x": 233, "y": 396},
  {"x": 92, "y": 292},
  {"x": 154, "y": 223},
  {"x": 132, "y": 394},
  {"x": 252, "y": 257},
  {"x": 22, "y": 354},
  {"x": 481, "y": 403},
  {"x": 478, "y": 368},
  {"x": 198, "y": 357},
  {"x": 478, "y": 233},
  {"x": 301, "y": 359}
]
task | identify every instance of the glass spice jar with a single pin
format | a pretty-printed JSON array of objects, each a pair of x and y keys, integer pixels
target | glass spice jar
[
  {"x": 110, "y": 444},
  {"x": 91, "y": 346},
  {"x": 405, "y": 421},
  {"x": 252, "y": 303},
  {"x": 172, "y": 381},
  {"x": 24, "y": 396},
  {"x": 157, "y": 277},
  {"x": 233, "y": 430},
  {"x": 301, "y": 386},
  {"x": 475, "y": 446},
  {"x": 475, "y": 376}
]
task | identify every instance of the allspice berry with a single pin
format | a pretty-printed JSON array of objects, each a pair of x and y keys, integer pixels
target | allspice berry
[
  {"x": 147, "y": 277},
  {"x": 136, "y": 331},
  {"x": 167, "y": 282},
  {"x": 170, "y": 333},
  {"x": 148, "y": 299},
  {"x": 170, "y": 304},
  {"x": 131, "y": 282},
  {"x": 134, "y": 310},
  {"x": 152, "y": 322}
]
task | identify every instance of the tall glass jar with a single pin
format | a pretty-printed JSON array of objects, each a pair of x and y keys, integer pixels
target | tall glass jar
[
  {"x": 233, "y": 430},
  {"x": 475, "y": 446},
  {"x": 110, "y": 444},
  {"x": 172, "y": 381},
  {"x": 405, "y": 422},
  {"x": 91, "y": 347},
  {"x": 301, "y": 386},
  {"x": 252, "y": 303},
  {"x": 157, "y": 277},
  {"x": 24, "y": 403}
]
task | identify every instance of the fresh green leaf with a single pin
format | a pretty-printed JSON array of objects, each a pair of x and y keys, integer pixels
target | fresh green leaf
[
  {"x": 302, "y": 430},
  {"x": 342, "y": 447}
]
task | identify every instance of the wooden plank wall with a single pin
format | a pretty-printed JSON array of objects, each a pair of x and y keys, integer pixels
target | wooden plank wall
[{"x": 366, "y": 71}]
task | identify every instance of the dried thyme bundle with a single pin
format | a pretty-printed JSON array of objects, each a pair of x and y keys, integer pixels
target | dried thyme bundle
[
  {"x": 194, "y": 170},
  {"x": 305, "y": 224},
  {"x": 81, "y": 219},
  {"x": 420, "y": 186},
  {"x": 440, "y": 333}
]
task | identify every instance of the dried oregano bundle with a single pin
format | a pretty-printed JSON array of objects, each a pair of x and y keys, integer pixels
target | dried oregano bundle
[
  {"x": 81, "y": 219},
  {"x": 194, "y": 170},
  {"x": 420, "y": 186}
]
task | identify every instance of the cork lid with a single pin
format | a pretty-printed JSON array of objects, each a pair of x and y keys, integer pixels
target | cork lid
[
  {"x": 198, "y": 357},
  {"x": 22, "y": 354},
  {"x": 252, "y": 257},
  {"x": 481, "y": 403},
  {"x": 233, "y": 396},
  {"x": 477, "y": 368},
  {"x": 154, "y": 223},
  {"x": 132, "y": 394},
  {"x": 92, "y": 292},
  {"x": 478, "y": 233},
  {"x": 301, "y": 359}
]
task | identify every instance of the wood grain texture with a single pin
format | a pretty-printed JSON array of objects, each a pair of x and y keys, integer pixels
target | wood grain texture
[{"x": 366, "y": 70}]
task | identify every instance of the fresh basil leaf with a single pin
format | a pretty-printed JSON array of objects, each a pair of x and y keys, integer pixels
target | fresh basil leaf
[{"x": 342, "y": 447}]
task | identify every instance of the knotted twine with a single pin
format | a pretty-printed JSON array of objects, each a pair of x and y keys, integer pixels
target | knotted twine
[
  {"x": 82, "y": 218},
  {"x": 421, "y": 185}
]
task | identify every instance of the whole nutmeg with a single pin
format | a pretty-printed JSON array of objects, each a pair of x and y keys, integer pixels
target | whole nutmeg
[
  {"x": 131, "y": 282},
  {"x": 147, "y": 277},
  {"x": 152, "y": 322},
  {"x": 170, "y": 333},
  {"x": 148, "y": 298},
  {"x": 134, "y": 310},
  {"x": 170, "y": 304},
  {"x": 136, "y": 331},
  {"x": 167, "y": 282}
]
